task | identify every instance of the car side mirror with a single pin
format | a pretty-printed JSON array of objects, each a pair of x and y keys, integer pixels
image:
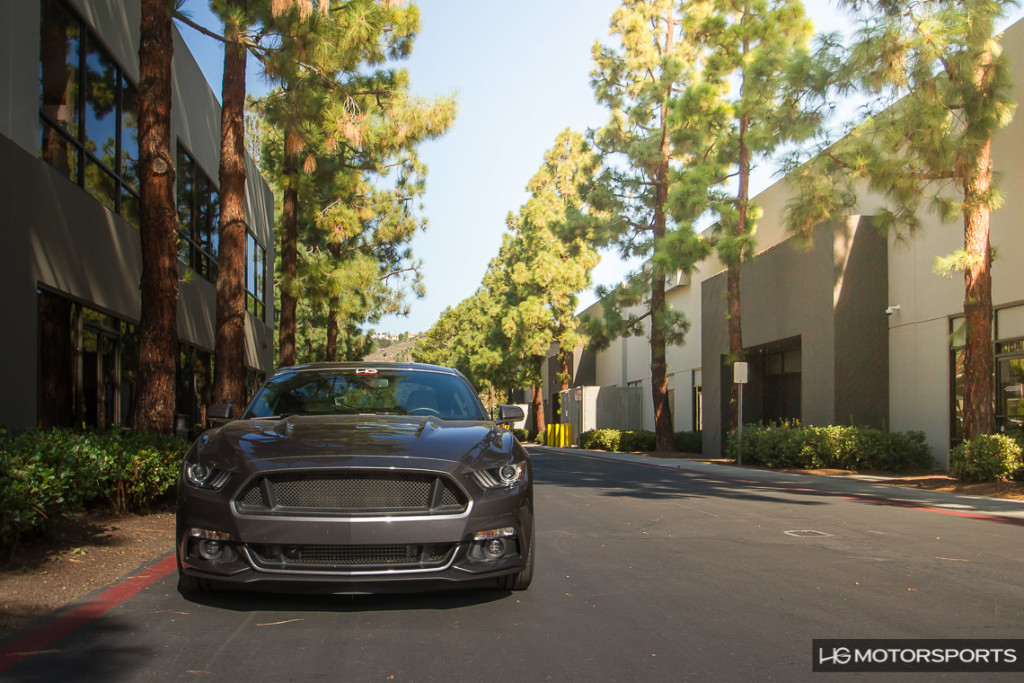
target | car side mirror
[
  {"x": 510, "y": 414},
  {"x": 218, "y": 415}
]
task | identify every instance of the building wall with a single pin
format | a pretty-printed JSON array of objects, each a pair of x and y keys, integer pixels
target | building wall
[{"x": 61, "y": 238}]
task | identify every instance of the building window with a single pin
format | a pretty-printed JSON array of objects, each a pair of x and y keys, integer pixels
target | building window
[
  {"x": 198, "y": 217},
  {"x": 87, "y": 364},
  {"x": 1010, "y": 384},
  {"x": 88, "y": 112},
  {"x": 193, "y": 390},
  {"x": 255, "y": 276}
]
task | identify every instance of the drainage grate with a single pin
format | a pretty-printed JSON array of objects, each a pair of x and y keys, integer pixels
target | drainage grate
[{"x": 805, "y": 533}]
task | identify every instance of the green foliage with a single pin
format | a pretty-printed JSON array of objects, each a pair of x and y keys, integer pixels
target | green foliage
[
  {"x": 341, "y": 132},
  {"x": 637, "y": 441},
  {"x": 45, "y": 475},
  {"x": 524, "y": 435},
  {"x": 688, "y": 442},
  {"x": 987, "y": 457},
  {"x": 789, "y": 444},
  {"x": 601, "y": 439},
  {"x": 628, "y": 441}
]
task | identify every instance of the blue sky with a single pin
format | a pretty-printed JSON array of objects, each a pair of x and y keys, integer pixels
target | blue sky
[{"x": 521, "y": 74}]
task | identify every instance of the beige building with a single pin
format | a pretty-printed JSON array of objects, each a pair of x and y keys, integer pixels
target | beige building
[
  {"x": 857, "y": 330},
  {"x": 69, "y": 201}
]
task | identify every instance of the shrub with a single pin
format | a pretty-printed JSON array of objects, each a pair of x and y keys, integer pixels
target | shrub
[
  {"x": 523, "y": 435},
  {"x": 788, "y": 444},
  {"x": 637, "y": 440},
  {"x": 988, "y": 457},
  {"x": 46, "y": 475},
  {"x": 688, "y": 442},
  {"x": 601, "y": 439}
]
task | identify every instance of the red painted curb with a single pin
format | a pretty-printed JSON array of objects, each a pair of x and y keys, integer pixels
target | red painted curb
[{"x": 66, "y": 623}]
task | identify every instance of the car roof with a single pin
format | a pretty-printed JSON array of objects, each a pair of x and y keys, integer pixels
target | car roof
[{"x": 379, "y": 365}]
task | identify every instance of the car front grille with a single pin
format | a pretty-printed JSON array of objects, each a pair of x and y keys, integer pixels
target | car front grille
[
  {"x": 352, "y": 494},
  {"x": 356, "y": 558}
]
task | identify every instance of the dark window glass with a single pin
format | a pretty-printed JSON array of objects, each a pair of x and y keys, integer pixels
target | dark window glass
[
  {"x": 198, "y": 216},
  {"x": 129, "y": 135},
  {"x": 101, "y": 96},
  {"x": 59, "y": 57},
  {"x": 101, "y": 185},
  {"x": 88, "y": 112},
  {"x": 255, "y": 276}
]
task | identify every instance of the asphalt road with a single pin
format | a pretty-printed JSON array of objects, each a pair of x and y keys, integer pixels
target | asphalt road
[{"x": 676, "y": 573}]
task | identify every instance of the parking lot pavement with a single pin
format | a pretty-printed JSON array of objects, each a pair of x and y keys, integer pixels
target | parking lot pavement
[{"x": 867, "y": 487}]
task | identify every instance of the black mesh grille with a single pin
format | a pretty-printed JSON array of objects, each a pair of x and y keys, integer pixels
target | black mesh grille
[
  {"x": 349, "y": 557},
  {"x": 353, "y": 493}
]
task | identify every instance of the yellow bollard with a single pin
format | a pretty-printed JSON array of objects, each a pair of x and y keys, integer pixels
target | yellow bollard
[{"x": 560, "y": 435}]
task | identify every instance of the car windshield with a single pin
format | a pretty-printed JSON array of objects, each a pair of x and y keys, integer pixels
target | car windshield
[{"x": 367, "y": 391}]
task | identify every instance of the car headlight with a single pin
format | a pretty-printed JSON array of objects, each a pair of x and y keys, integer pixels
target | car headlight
[
  {"x": 200, "y": 475},
  {"x": 503, "y": 477}
]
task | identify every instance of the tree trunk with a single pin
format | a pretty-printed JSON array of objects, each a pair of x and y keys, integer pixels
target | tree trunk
[
  {"x": 563, "y": 361},
  {"x": 331, "y": 354},
  {"x": 537, "y": 406},
  {"x": 289, "y": 247},
  {"x": 158, "y": 227},
  {"x": 979, "y": 361},
  {"x": 736, "y": 352},
  {"x": 229, "y": 369},
  {"x": 664, "y": 440}
]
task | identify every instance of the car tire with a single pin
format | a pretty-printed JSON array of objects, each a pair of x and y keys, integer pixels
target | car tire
[
  {"x": 521, "y": 580},
  {"x": 190, "y": 585}
]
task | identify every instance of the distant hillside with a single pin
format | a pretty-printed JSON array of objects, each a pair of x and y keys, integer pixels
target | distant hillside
[{"x": 400, "y": 351}]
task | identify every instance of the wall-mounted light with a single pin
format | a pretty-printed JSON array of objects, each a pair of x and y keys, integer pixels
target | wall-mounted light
[{"x": 892, "y": 309}]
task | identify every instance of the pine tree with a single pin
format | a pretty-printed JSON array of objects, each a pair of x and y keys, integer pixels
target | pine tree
[
  {"x": 153, "y": 411},
  {"x": 229, "y": 367},
  {"x": 638, "y": 85},
  {"x": 749, "y": 101},
  {"x": 938, "y": 69},
  {"x": 343, "y": 125}
]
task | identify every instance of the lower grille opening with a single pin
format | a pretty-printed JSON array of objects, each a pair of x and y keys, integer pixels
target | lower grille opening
[{"x": 340, "y": 558}]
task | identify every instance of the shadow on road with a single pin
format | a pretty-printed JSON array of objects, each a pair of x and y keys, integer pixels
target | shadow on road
[
  {"x": 625, "y": 479},
  {"x": 253, "y": 601},
  {"x": 650, "y": 481}
]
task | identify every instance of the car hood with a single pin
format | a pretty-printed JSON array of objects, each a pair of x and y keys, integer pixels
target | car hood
[{"x": 314, "y": 441}]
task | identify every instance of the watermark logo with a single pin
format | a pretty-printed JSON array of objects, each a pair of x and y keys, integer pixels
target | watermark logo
[{"x": 953, "y": 656}]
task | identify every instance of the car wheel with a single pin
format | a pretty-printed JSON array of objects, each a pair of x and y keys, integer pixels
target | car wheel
[
  {"x": 190, "y": 585},
  {"x": 520, "y": 581}
]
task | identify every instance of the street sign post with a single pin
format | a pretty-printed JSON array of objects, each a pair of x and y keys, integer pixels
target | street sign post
[{"x": 739, "y": 376}]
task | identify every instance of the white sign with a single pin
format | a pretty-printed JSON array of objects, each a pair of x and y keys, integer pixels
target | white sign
[{"x": 739, "y": 373}]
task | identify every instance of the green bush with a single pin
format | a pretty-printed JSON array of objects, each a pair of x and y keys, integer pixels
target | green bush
[
  {"x": 601, "y": 439},
  {"x": 688, "y": 442},
  {"x": 638, "y": 440},
  {"x": 46, "y": 475},
  {"x": 988, "y": 457},
  {"x": 789, "y": 444}
]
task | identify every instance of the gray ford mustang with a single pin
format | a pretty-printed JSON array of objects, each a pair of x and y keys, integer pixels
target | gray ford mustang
[{"x": 357, "y": 477}]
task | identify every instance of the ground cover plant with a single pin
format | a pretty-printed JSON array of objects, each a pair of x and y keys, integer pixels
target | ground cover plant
[{"x": 46, "y": 475}]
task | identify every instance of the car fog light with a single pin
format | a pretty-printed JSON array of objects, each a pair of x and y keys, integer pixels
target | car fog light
[
  {"x": 495, "y": 548},
  {"x": 210, "y": 550}
]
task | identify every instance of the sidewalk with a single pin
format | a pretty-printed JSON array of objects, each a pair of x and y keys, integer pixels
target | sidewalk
[{"x": 867, "y": 487}]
